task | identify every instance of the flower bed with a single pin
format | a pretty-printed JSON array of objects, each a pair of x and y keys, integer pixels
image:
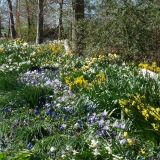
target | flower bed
[{"x": 54, "y": 105}]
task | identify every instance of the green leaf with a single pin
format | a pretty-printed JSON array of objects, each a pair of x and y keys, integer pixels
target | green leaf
[
  {"x": 23, "y": 155},
  {"x": 3, "y": 155}
]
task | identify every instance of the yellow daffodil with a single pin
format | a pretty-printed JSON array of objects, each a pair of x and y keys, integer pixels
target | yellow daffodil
[
  {"x": 130, "y": 141},
  {"x": 125, "y": 134}
]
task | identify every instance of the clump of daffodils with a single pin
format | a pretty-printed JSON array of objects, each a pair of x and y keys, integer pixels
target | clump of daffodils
[
  {"x": 113, "y": 56},
  {"x": 137, "y": 102},
  {"x": 153, "y": 67}
]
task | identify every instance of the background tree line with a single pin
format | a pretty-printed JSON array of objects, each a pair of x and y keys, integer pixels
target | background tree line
[{"x": 91, "y": 25}]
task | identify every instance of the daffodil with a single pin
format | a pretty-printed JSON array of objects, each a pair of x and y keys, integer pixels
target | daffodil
[
  {"x": 155, "y": 126},
  {"x": 52, "y": 149},
  {"x": 96, "y": 152},
  {"x": 75, "y": 152},
  {"x": 130, "y": 141},
  {"x": 142, "y": 150},
  {"x": 125, "y": 134},
  {"x": 69, "y": 148},
  {"x": 94, "y": 143}
]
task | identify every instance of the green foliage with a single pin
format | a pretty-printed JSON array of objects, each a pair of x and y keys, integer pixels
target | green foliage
[
  {"x": 124, "y": 25},
  {"x": 8, "y": 81},
  {"x": 27, "y": 34},
  {"x": 80, "y": 116},
  {"x": 3, "y": 155},
  {"x": 24, "y": 155}
]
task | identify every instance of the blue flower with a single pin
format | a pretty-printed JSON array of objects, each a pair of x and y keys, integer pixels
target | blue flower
[
  {"x": 105, "y": 128},
  {"x": 90, "y": 107},
  {"x": 122, "y": 141},
  {"x": 49, "y": 111},
  {"x": 13, "y": 133},
  {"x": 54, "y": 115},
  {"x": 62, "y": 127},
  {"x": 36, "y": 111},
  {"x": 142, "y": 158},
  {"x": 71, "y": 132},
  {"x": 29, "y": 145},
  {"x": 127, "y": 153},
  {"x": 65, "y": 118}
]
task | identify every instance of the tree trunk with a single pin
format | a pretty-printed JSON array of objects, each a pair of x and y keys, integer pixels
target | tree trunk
[
  {"x": 60, "y": 27},
  {"x": 13, "y": 31},
  {"x": 17, "y": 14},
  {"x": 0, "y": 27},
  {"x": 39, "y": 38},
  {"x": 9, "y": 30},
  {"x": 77, "y": 26},
  {"x": 28, "y": 17}
]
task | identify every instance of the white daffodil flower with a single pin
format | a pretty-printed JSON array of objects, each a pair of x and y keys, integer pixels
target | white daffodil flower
[
  {"x": 52, "y": 149},
  {"x": 96, "y": 152},
  {"x": 94, "y": 143}
]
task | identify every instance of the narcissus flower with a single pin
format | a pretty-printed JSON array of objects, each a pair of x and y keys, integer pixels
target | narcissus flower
[
  {"x": 94, "y": 143},
  {"x": 125, "y": 134},
  {"x": 96, "y": 152}
]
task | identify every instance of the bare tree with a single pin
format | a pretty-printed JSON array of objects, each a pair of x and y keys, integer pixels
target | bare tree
[
  {"x": 39, "y": 38},
  {"x": 13, "y": 31}
]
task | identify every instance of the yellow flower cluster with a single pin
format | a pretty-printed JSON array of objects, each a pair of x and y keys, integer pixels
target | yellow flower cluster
[
  {"x": 113, "y": 56},
  {"x": 19, "y": 40},
  {"x": 82, "y": 82},
  {"x": 123, "y": 103},
  {"x": 76, "y": 81},
  {"x": 146, "y": 110},
  {"x": 152, "y": 67},
  {"x": 89, "y": 61},
  {"x": 85, "y": 67},
  {"x": 101, "y": 57},
  {"x": 47, "y": 61},
  {"x": 100, "y": 78},
  {"x": 38, "y": 49},
  {"x": 55, "y": 48},
  {"x": 155, "y": 126},
  {"x": 69, "y": 53}
]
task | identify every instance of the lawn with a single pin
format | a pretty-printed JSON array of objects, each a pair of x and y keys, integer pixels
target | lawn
[{"x": 55, "y": 105}]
